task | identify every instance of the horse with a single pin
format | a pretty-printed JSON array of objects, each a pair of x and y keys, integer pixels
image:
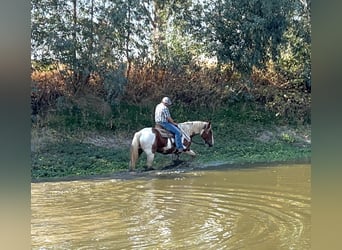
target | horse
[{"x": 154, "y": 140}]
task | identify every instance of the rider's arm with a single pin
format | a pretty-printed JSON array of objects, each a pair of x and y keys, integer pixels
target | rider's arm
[{"x": 170, "y": 120}]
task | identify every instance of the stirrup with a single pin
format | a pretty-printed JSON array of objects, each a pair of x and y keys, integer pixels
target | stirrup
[{"x": 179, "y": 151}]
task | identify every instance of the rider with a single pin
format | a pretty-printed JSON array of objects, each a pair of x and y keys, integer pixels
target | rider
[{"x": 162, "y": 117}]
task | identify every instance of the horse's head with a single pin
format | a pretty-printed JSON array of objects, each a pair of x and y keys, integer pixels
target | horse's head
[{"x": 207, "y": 135}]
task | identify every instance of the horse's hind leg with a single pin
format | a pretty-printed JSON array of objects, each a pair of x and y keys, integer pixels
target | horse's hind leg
[
  {"x": 149, "y": 162},
  {"x": 134, "y": 157}
]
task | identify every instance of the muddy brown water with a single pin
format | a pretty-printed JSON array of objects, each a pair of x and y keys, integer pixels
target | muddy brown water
[{"x": 259, "y": 207}]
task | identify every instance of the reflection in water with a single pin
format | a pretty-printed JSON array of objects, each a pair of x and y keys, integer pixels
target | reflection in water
[{"x": 255, "y": 208}]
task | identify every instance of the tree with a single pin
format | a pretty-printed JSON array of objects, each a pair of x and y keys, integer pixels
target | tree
[
  {"x": 100, "y": 35},
  {"x": 86, "y": 37},
  {"x": 162, "y": 16},
  {"x": 295, "y": 61},
  {"x": 245, "y": 33}
]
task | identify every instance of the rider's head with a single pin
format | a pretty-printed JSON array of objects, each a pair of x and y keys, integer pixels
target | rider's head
[{"x": 166, "y": 100}]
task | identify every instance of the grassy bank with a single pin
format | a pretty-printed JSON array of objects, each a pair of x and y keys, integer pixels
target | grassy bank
[{"x": 84, "y": 143}]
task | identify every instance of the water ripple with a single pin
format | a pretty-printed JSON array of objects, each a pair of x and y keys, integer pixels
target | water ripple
[{"x": 260, "y": 209}]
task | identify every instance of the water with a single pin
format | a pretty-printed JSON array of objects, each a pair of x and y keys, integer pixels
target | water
[{"x": 248, "y": 208}]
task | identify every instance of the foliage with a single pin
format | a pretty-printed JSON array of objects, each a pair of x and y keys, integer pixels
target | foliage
[
  {"x": 71, "y": 158},
  {"x": 138, "y": 51},
  {"x": 86, "y": 37},
  {"x": 201, "y": 88},
  {"x": 96, "y": 36},
  {"x": 295, "y": 59},
  {"x": 289, "y": 101}
]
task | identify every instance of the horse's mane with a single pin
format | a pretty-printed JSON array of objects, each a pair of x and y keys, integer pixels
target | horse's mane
[{"x": 192, "y": 127}]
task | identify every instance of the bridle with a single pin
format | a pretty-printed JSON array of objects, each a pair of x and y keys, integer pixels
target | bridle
[
  {"x": 190, "y": 138},
  {"x": 199, "y": 143}
]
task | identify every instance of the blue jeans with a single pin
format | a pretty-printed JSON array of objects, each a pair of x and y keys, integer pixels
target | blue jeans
[{"x": 173, "y": 129}]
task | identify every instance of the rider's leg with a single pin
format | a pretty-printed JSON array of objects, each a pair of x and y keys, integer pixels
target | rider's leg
[{"x": 178, "y": 134}]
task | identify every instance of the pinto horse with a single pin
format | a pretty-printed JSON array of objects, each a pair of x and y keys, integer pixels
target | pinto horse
[{"x": 158, "y": 140}]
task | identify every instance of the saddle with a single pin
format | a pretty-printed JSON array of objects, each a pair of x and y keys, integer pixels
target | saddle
[
  {"x": 166, "y": 135},
  {"x": 163, "y": 132}
]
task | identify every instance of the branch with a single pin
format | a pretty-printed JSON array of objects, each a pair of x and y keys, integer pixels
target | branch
[{"x": 148, "y": 15}]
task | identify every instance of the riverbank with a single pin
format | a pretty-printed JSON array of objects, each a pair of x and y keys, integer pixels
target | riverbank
[{"x": 60, "y": 154}]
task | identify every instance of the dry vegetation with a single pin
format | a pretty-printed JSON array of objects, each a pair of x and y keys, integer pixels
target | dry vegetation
[{"x": 195, "y": 86}]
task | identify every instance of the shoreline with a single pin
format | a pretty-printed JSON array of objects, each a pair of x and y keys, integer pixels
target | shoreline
[{"x": 182, "y": 167}]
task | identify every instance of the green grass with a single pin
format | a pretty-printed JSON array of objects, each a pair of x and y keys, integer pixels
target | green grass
[
  {"x": 236, "y": 132},
  {"x": 71, "y": 158}
]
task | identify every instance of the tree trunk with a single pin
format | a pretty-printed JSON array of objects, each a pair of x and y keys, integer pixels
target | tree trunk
[{"x": 128, "y": 70}]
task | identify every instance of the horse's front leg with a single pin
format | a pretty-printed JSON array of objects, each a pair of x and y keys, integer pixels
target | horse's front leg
[{"x": 190, "y": 152}]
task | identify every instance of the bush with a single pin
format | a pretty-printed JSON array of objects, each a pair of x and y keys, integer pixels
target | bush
[{"x": 195, "y": 89}]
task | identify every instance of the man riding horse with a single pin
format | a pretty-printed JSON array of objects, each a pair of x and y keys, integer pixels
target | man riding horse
[{"x": 163, "y": 118}]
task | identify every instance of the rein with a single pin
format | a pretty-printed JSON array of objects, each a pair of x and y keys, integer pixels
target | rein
[
  {"x": 190, "y": 138},
  {"x": 198, "y": 143},
  {"x": 185, "y": 134}
]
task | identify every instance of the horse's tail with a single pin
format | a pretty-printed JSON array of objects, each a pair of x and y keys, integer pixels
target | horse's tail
[{"x": 135, "y": 146}]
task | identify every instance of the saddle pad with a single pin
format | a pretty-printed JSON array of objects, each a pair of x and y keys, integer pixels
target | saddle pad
[{"x": 164, "y": 133}]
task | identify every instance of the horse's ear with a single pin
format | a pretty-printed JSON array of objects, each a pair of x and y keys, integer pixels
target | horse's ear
[{"x": 209, "y": 125}]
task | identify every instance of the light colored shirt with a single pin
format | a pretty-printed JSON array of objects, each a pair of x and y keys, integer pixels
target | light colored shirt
[{"x": 161, "y": 113}]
